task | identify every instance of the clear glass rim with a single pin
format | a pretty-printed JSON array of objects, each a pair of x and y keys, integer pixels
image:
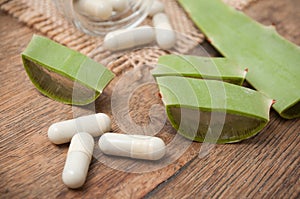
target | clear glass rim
[{"x": 100, "y": 28}]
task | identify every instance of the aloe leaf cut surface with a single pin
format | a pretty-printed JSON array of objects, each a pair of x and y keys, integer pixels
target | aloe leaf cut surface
[
  {"x": 221, "y": 69},
  {"x": 230, "y": 113},
  {"x": 273, "y": 61},
  {"x": 64, "y": 74}
]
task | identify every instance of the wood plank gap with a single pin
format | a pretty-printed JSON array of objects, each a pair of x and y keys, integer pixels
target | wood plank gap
[{"x": 170, "y": 179}]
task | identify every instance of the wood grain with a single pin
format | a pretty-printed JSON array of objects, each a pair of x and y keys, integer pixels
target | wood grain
[
  {"x": 31, "y": 166},
  {"x": 266, "y": 166}
]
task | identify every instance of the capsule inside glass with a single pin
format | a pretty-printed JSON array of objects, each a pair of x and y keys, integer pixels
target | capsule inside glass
[{"x": 134, "y": 13}]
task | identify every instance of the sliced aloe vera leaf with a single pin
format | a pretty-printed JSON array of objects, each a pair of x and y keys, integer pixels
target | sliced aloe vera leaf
[
  {"x": 196, "y": 107},
  {"x": 200, "y": 67},
  {"x": 273, "y": 61},
  {"x": 63, "y": 74}
]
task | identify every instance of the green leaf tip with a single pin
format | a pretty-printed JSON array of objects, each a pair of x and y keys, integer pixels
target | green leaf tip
[
  {"x": 273, "y": 61},
  {"x": 230, "y": 113},
  {"x": 221, "y": 69},
  {"x": 63, "y": 74}
]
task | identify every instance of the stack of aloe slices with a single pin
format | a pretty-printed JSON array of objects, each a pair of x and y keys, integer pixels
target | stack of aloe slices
[
  {"x": 273, "y": 62},
  {"x": 63, "y": 74},
  {"x": 204, "y": 108}
]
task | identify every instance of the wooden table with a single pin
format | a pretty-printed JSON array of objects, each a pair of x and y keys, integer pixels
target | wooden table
[{"x": 266, "y": 166}]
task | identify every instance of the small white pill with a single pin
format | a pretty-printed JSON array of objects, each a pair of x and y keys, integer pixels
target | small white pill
[
  {"x": 119, "y": 5},
  {"x": 125, "y": 39},
  {"x": 156, "y": 7},
  {"x": 133, "y": 146},
  {"x": 100, "y": 9},
  {"x": 165, "y": 35},
  {"x": 78, "y": 160},
  {"x": 96, "y": 125}
]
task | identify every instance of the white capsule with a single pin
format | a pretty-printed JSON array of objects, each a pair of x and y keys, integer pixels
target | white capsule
[
  {"x": 96, "y": 125},
  {"x": 125, "y": 39},
  {"x": 99, "y": 9},
  {"x": 165, "y": 35},
  {"x": 156, "y": 7},
  {"x": 133, "y": 146},
  {"x": 78, "y": 160},
  {"x": 119, "y": 5},
  {"x": 136, "y": 4}
]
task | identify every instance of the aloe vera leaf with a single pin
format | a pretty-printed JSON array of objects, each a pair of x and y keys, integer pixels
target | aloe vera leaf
[
  {"x": 190, "y": 104},
  {"x": 63, "y": 74},
  {"x": 273, "y": 61},
  {"x": 199, "y": 67}
]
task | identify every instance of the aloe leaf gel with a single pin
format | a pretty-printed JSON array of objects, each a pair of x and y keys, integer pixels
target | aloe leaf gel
[
  {"x": 198, "y": 108},
  {"x": 218, "y": 68},
  {"x": 273, "y": 61},
  {"x": 63, "y": 74}
]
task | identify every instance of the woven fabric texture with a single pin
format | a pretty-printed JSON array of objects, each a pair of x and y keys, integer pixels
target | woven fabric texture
[{"x": 42, "y": 16}]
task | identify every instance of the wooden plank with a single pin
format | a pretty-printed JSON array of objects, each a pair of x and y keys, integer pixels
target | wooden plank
[
  {"x": 266, "y": 166},
  {"x": 31, "y": 166}
]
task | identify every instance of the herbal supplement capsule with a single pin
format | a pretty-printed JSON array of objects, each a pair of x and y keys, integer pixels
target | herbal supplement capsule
[
  {"x": 133, "y": 146},
  {"x": 119, "y": 5},
  {"x": 125, "y": 39},
  {"x": 156, "y": 7},
  {"x": 165, "y": 35},
  {"x": 100, "y": 9},
  {"x": 136, "y": 4},
  {"x": 78, "y": 160},
  {"x": 96, "y": 124}
]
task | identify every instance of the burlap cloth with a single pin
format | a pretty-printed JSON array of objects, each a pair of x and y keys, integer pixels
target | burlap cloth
[{"x": 42, "y": 16}]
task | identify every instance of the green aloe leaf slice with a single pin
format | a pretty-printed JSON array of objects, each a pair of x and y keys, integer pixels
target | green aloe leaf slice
[
  {"x": 273, "y": 61},
  {"x": 213, "y": 111},
  {"x": 63, "y": 74},
  {"x": 199, "y": 67}
]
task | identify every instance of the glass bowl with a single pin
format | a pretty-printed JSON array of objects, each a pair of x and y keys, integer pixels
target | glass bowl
[{"x": 132, "y": 16}]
